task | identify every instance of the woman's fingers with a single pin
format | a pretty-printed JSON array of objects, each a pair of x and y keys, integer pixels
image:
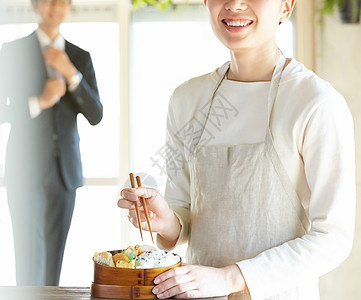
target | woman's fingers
[
  {"x": 171, "y": 274},
  {"x": 129, "y": 194},
  {"x": 184, "y": 290},
  {"x": 134, "y": 221},
  {"x": 132, "y": 214},
  {"x": 134, "y": 193},
  {"x": 192, "y": 281},
  {"x": 173, "y": 282},
  {"x": 160, "y": 215},
  {"x": 126, "y": 204}
]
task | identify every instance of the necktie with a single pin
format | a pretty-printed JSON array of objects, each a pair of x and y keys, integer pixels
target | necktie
[{"x": 53, "y": 73}]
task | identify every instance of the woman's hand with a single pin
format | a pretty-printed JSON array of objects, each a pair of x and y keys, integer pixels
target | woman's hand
[
  {"x": 191, "y": 281},
  {"x": 162, "y": 218}
]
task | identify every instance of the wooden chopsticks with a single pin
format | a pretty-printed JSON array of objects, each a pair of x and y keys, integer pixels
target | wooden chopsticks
[
  {"x": 142, "y": 200},
  {"x": 131, "y": 176},
  {"x": 145, "y": 209}
]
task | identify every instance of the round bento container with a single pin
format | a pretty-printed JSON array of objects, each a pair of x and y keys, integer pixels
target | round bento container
[{"x": 120, "y": 283}]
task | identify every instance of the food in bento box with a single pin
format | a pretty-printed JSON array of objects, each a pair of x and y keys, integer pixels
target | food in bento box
[
  {"x": 104, "y": 258},
  {"x": 137, "y": 257},
  {"x": 156, "y": 259},
  {"x": 121, "y": 260}
]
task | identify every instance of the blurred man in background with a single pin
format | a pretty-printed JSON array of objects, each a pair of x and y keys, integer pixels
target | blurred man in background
[{"x": 45, "y": 81}]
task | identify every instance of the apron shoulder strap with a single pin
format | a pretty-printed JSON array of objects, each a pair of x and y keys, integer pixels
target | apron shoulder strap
[{"x": 222, "y": 71}]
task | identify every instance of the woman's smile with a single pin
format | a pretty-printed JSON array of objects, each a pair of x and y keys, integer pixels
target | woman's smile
[{"x": 236, "y": 25}]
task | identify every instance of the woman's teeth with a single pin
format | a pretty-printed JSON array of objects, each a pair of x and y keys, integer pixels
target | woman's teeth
[{"x": 237, "y": 23}]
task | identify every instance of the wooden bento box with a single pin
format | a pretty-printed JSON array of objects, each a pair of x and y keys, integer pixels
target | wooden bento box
[{"x": 120, "y": 283}]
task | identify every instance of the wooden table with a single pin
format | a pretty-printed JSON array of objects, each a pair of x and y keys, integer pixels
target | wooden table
[{"x": 51, "y": 292}]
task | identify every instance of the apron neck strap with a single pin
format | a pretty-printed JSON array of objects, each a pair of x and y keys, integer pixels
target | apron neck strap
[
  {"x": 276, "y": 78},
  {"x": 223, "y": 72}
]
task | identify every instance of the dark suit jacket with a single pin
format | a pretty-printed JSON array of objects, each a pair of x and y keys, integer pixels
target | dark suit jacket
[{"x": 34, "y": 143}]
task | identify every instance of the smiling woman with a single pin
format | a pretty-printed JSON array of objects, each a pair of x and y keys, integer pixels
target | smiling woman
[{"x": 246, "y": 141}]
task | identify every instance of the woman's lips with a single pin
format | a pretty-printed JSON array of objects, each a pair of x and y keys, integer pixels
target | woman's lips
[{"x": 236, "y": 25}]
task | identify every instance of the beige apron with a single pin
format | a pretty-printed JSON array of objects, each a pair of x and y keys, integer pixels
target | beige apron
[{"x": 242, "y": 200}]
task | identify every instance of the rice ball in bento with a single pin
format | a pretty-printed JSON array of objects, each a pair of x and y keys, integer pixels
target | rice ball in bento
[{"x": 156, "y": 259}]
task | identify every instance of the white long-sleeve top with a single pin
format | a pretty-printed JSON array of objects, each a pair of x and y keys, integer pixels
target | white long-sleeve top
[{"x": 312, "y": 129}]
